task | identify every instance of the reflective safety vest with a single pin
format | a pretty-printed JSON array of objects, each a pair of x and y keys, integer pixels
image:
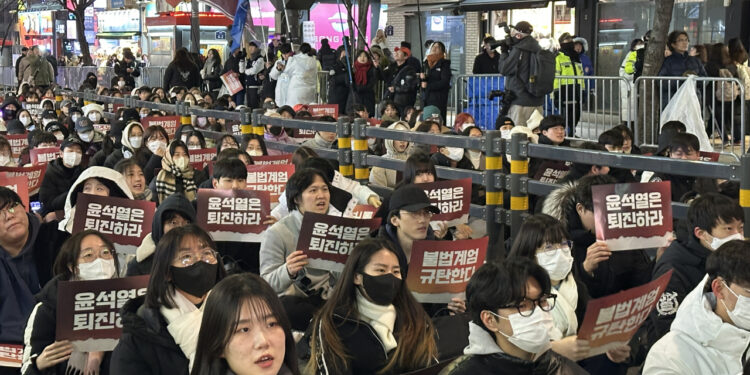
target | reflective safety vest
[
  {"x": 565, "y": 67},
  {"x": 628, "y": 66}
]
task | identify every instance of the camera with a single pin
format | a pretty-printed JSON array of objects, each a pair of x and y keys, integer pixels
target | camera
[
  {"x": 507, "y": 42},
  {"x": 506, "y": 99}
]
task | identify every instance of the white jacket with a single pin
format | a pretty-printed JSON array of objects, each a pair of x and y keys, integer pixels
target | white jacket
[
  {"x": 301, "y": 74},
  {"x": 699, "y": 342}
]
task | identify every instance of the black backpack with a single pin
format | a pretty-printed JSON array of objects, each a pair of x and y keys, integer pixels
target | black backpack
[{"x": 541, "y": 73}]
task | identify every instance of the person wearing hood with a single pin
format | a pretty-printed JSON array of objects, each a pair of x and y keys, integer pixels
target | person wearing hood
[
  {"x": 510, "y": 303},
  {"x": 132, "y": 147},
  {"x": 91, "y": 80},
  {"x": 177, "y": 175},
  {"x": 36, "y": 70},
  {"x": 86, "y": 255},
  {"x": 710, "y": 332},
  {"x": 301, "y": 72},
  {"x": 436, "y": 80},
  {"x": 136, "y": 179},
  {"x": 275, "y": 133},
  {"x": 398, "y": 150},
  {"x": 339, "y": 80},
  {"x": 94, "y": 112},
  {"x": 99, "y": 181},
  {"x": 568, "y": 90},
  {"x": 9, "y": 107},
  {"x": 60, "y": 176},
  {"x": 160, "y": 329},
  {"x": 627, "y": 88},
  {"x": 14, "y": 127},
  {"x": 176, "y": 211}
]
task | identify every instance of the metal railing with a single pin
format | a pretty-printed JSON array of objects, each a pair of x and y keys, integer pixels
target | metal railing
[{"x": 73, "y": 76}]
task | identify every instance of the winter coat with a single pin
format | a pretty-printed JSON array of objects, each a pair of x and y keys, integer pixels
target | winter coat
[
  {"x": 54, "y": 188},
  {"x": 339, "y": 85},
  {"x": 438, "y": 85},
  {"x": 146, "y": 347},
  {"x": 365, "y": 94},
  {"x": 36, "y": 70},
  {"x": 388, "y": 177},
  {"x": 141, "y": 154},
  {"x": 40, "y": 332},
  {"x": 121, "y": 70},
  {"x": 484, "y": 357},
  {"x": 484, "y": 64},
  {"x": 405, "y": 83},
  {"x": 318, "y": 142},
  {"x": 327, "y": 57},
  {"x": 677, "y": 65},
  {"x": 301, "y": 74},
  {"x": 283, "y": 137},
  {"x": 211, "y": 74},
  {"x": 114, "y": 181},
  {"x": 514, "y": 65},
  {"x": 24, "y": 275},
  {"x": 699, "y": 342},
  {"x": 680, "y": 185},
  {"x": 176, "y": 76}
]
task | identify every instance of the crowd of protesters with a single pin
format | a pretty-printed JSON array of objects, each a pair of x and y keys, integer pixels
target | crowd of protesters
[{"x": 221, "y": 307}]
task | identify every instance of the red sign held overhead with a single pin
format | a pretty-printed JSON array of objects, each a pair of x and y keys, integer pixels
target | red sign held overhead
[
  {"x": 169, "y": 123},
  {"x": 317, "y": 110},
  {"x": 233, "y": 215},
  {"x": 125, "y": 222},
  {"x": 272, "y": 159}
]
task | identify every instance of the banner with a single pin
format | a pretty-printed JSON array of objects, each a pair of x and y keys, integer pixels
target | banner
[
  {"x": 361, "y": 211},
  {"x": 303, "y": 133},
  {"x": 123, "y": 221},
  {"x": 709, "y": 156},
  {"x": 232, "y": 82},
  {"x": 272, "y": 159},
  {"x": 34, "y": 174},
  {"x": 18, "y": 142},
  {"x": 633, "y": 216},
  {"x": 19, "y": 184},
  {"x": 552, "y": 171},
  {"x": 103, "y": 128},
  {"x": 199, "y": 158},
  {"x": 440, "y": 270},
  {"x": 88, "y": 312},
  {"x": 270, "y": 178},
  {"x": 328, "y": 240},
  {"x": 452, "y": 197},
  {"x": 233, "y": 215},
  {"x": 612, "y": 321},
  {"x": 44, "y": 155},
  {"x": 169, "y": 123},
  {"x": 317, "y": 110},
  {"x": 11, "y": 355}
]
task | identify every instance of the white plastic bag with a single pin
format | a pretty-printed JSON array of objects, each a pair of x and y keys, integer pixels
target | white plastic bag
[{"x": 686, "y": 108}]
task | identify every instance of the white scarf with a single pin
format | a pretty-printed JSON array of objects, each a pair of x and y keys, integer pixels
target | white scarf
[
  {"x": 184, "y": 323},
  {"x": 564, "y": 312},
  {"x": 380, "y": 318}
]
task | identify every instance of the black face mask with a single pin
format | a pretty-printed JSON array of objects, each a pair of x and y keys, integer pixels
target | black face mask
[
  {"x": 276, "y": 130},
  {"x": 195, "y": 280},
  {"x": 9, "y": 114},
  {"x": 381, "y": 289}
]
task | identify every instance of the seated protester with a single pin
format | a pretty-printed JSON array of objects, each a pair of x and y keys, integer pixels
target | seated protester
[
  {"x": 133, "y": 174},
  {"x": 371, "y": 323},
  {"x": 242, "y": 311},
  {"x": 92, "y": 139},
  {"x": 160, "y": 329},
  {"x": 254, "y": 145},
  {"x": 476, "y": 157},
  {"x": 86, "y": 255},
  {"x": 49, "y": 115},
  {"x": 552, "y": 133},
  {"x": 712, "y": 220},
  {"x": 276, "y": 134},
  {"x": 94, "y": 112},
  {"x": 398, "y": 150},
  {"x": 628, "y": 146},
  {"x": 99, "y": 181},
  {"x": 427, "y": 126},
  {"x": 74, "y": 114},
  {"x": 504, "y": 125},
  {"x": 229, "y": 153},
  {"x": 389, "y": 111},
  {"x": 287, "y": 112},
  {"x": 24, "y": 116},
  {"x": 132, "y": 147},
  {"x": 710, "y": 332},
  {"x": 683, "y": 146},
  {"x": 195, "y": 140},
  {"x": 360, "y": 111},
  {"x": 282, "y": 265},
  {"x": 28, "y": 248},
  {"x": 60, "y": 175},
  {"x": 579, "y": 170},
  {"x": 604, "y": 272},
  {"x": 324, "y": 140},
  {"x": 613, "y": 141},
  {"x": 6, "y": 154},
  {"x": 156, "y": 140},
  {"x": 510, "y": 303},
  {"x": 452, "y": 157},
  {"x": 177, "y": 175},
  {"x": 226, "y": 142},
  {"x": 40, "y": 139},
  {"x": 57, "y": 129},
  {"x": 176, "y": 211},
  {"x": 668, "y": 130}
]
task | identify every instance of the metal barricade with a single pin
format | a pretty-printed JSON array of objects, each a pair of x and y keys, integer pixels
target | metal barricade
[
  {"x": 722, "y": 107},
  {"x": 8, "y": 76},
  {"x": 323, "y": 87}
]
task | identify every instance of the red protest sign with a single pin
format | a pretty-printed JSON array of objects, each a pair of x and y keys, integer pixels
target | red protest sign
[
  {"x": 199, "y": 158},
  {"x": 34, "y": 174},
  {"x": 169, "y": 123},
  {"x": 43, "y": 155},
  {"x": 88, "y": 312},
  {"x": 373, "y": 121},
  {"x": 317, "y": 110},
  {"x": 232, "y": 82},
  {"x": 233, "y": 215},
  {"x": 123, "y": 221},
  {"x": 270, "y": 178},
  {"x": 452, "y": 197},
  {"x": 272, "y": 159},
  {"x": 633, "y": 216},
  {"x": 11, "y": 355},
  {"x": 17, "y": 143},
  {"x": 709, "y": 156},
  {"x": 552, "y": 171},
  {"x": 103, "y": 128},
  {"x": 440, "y": 270},
  {"x": 303, "y": 133},
  {"x": 19, "y": 184},
  {"x": 612, "y": 321},
  {"x": 361, "y": 211},
  {"x": 328, "y": 240}
]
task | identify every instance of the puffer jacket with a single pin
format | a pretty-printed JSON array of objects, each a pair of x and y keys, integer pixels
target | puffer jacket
[{"x": 54, "y": 189}]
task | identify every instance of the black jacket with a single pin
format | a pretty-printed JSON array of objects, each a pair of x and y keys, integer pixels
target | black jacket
[
  {"x": 365, "y": 94},
  {"x": 213, "y": 74},
  {"x": 514, "y": 65},
  {"x": 438, "y": 85},
  {"x": 484, "y": 64},
  {"x": 327, "y": 57},
  {"x": 175, "y": 76},
  {"x": 146, "y": 347},
  {"x": 405, "y": 83},
  {"x": 414, "y": 63},
  {"x": 339, "y": 85},
  {"x": 681, "y": 185},
  {"x": 54, "y": 188},
  {"x": 121, "y": 70},
  {"x": 367, "y": 353},
  {"x": 502, "y": 364}
]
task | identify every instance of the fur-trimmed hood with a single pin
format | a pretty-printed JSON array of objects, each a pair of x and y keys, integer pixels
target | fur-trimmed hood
[{"x": 560, "y": 202}]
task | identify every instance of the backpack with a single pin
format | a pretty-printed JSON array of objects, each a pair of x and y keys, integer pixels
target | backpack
[
  {"x": 541, "y": 73},
  {"x": 726, "y": 91}
]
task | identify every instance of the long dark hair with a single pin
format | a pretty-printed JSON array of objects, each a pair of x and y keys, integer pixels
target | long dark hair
[
  {"x": 182, "y": 60},
  {"x": 536, "y": 231},
  {"x": 719, "y": 55},
  {"x": 737, "y": 51},
  {"x": 217, "y": 57},
  {"x": 416, "y": 343},
  {"x": 249, "y": 137},
  {"x": 66, "y": 263},
  {"x": 416, "y": 164},
  {"x": 222, "y": 313}
]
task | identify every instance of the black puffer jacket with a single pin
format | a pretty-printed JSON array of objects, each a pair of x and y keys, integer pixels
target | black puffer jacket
[
  {"x": 57, "y": 181},
  {"x": 502, "y": 364},
  {"x": 339, "y": 85},
  {"x": 438, "y": 85},
  {"x": 405, "y": 83}
]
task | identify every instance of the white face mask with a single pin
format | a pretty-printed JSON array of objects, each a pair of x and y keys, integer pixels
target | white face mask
[
  {"x": 135, "y": 141},
  {"x": 94, "y": 117},
  {"x": 59, "y": 136},
  {"x": 530, "y": 334},
  {"x": 717, "y": 242},
  {"x": 557, "y": 262},
  {"x": 255, "y": 153},
  {"x": 466, "y": 125},
  {"x": 99, "y": 269},
  {"x": 75, "y": 118},
  {"x": 86, "y": 137},
  {"x": 121, "y": 83},
  {"x": 71, "y": 158},
  {"x": 25, "y": 120},
  {"x": 156, "y": 145},
  {"x": 505, "y": 134},
  {"x": 455, "y": 153},
  {"x": 4, "y": 160},
  {"x": 741, "y": 314},
  {"x": 181, "y": 162}
]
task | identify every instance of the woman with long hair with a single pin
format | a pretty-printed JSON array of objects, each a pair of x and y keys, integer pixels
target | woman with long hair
[
  {"x": 211, "y": 72},
  {"x": 302, "y": 70},
  {"x": 177, "y": 175},
  {"x": 182, "y": 71},
  {"x": 371, "y": 323}
]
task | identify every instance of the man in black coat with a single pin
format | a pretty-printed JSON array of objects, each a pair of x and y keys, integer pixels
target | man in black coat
[
  {"x": 412, "y": 61},
  {"x": 487, "y": 62},
  {"x": 60, "y": 175},
  {"x": 403, "y": 86},
  {"x": 24, "y": 51},
  {"x": 127, "y": 68},
  {"x": 236, "y": 63}
]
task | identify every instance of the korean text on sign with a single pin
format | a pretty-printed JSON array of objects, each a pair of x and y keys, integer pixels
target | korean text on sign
[
  {"x": 112, "y": 219},
  {"x": 85, "y": 303},
  {"x": 328, "y": 240},
  {"x": 234, "y": 211},
  {"x": 336, "y": 239},
  {"x": 448, "y": 267},
  {"x": 645, "y": 210},
  {"x": 452, "y": 197}
]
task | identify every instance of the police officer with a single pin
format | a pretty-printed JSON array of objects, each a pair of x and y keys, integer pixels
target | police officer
[{"x": 568, "y": 90}]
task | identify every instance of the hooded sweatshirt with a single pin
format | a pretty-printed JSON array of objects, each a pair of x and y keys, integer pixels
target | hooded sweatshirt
[
  {"x": 116, "y": 183},
  {"x": 317, "y": 142},
  {"x": 389, "y": 177}
]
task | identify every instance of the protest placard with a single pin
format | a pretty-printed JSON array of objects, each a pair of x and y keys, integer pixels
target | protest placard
[
  {"x": 232, "y": 82},
  {"x": 88, "y": 312},
  {"x": 709, "y": 156},
  {"x": 123, "y": 221},
  {"x": 452, "y": 197},
  {"x": 102, "y": 128},
  {"x": 440, "y": 270},
  {"x": 34, "y": 174},
  {"x": 17, "y": 143},
  {"x": 612, "y": 321},
  {"x": 360, "y": 211},
  {"x": 44, "y": 155},
  {"x": 19, "y": 184},
  {"x": 11, "y": 355},
  {"x": 233, "y": 215},
  {"x": 328, "y": 240},
  {"x": 200, "y": 157},
  {"x": 318, "y": 110},
  {"x": 303, "y": 133},
  {"x": 270, "y": 178},
  {"x": 552, "y": 171},
  {"x": 272, "y": 159},
  {"x": 169, "y": 123},
  {"x": 633, "y": 216}
]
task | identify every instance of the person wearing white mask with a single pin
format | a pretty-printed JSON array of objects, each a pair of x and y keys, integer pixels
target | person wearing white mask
[
  {"x": 254, "y": 145},
  {"x": 60, "y": 175},
  {"x": 100, "y": 181},
  {"x": 94, "y": 112},
  {"x": 132, "y": 147},
  {"x": 156, "y": 140},
  {"x": 177, "y": 175},
  {"x": 476, "y": 157},
  {"x": 710, "y": 333},
  {"x": 452, "y": 157},
  {"x": 712, "y": 220},
  {"x": 25, "y": 117},
  {"x": 92, "y": 139},
  {"x": 86, "y": 255},
  {"x": 195, "y": 140},
  {"x": 394, "y": 150},
  {"x": 510, "y": 303}
]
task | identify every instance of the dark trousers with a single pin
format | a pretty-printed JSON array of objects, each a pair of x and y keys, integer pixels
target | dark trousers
[{"x": 568, "y": 101}]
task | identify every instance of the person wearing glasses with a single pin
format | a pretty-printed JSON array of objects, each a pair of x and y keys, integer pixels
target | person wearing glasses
[
  {"x": 86, "y": 255},
  {"x": 510, "y": 303},
  {"x": 160, "y": 329}
]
